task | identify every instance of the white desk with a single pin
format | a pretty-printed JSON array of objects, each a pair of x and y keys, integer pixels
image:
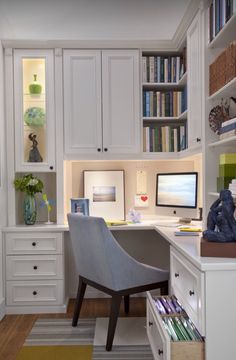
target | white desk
[{"x": 217, "y": 283}]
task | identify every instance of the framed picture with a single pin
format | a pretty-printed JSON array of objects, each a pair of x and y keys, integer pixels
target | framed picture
[
  {"x": 80, "y": 205},
  {"x": 105, "y": 191}
]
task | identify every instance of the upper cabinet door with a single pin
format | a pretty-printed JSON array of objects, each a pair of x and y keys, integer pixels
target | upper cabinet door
[
  {"x": 121, "y": 95},
  {"x": 194, "y": 85},
  {"x": 82, "y": 101},
  {"x": 34, "y": 110}
]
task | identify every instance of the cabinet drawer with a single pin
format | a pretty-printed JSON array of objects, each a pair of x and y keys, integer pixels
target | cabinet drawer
[
  {"x": 162, "y": 346},
  {"x": 31, "y": 267},
  {"x": 187, "y": 284},
  {"x": 33, "y": 243},
  {"x": 35, "y": 292}
]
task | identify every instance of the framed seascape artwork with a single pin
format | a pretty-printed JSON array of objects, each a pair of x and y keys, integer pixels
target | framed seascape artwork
[
  {"x": 80, "y": 205},
  {"x": 105, "y": 191}
]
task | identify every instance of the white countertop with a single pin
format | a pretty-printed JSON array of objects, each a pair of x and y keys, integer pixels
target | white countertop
[{"x": 189, "y": 246}]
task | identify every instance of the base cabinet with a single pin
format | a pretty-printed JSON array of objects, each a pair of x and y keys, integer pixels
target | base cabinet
[
  {"x": 34, "y": 272},
  {"x": 163, "y": 347}
]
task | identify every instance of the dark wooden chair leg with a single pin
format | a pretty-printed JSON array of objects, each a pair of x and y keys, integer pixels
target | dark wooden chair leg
[
  {"x": 114, "y": 312},
  {"x": 126, "y": 303},
  {"x": 165, "y": 289},
  {"x": 79, "y": 300}
]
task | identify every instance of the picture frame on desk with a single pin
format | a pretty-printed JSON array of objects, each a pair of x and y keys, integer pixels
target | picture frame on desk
[
  {"x": 80, "y": 205},
  {"x": 105, "y": 191}
]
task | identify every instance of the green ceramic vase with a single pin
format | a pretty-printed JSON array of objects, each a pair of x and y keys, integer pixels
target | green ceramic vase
[{"x": 35, "y": 88}]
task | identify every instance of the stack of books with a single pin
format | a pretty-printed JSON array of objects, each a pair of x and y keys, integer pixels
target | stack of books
[
  {"x": 232, "y": 186},
  {"x": 228, "y": 128},
  {"x": 188, "y": 231}
]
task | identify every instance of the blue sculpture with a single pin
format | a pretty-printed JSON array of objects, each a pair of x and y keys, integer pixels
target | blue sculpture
[{"x": 221, "y": 224}]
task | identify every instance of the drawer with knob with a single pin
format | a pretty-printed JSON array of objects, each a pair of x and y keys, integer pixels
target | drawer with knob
[
  {"x": 33, "y": 243},
  {"x": 165, "y": 346},
  {"x": 187, "y": 284},
  {"x": 29, "y": 267},
  {"x": 48, "y": 292}
]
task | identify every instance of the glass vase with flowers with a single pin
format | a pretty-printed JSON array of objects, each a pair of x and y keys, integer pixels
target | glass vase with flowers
[{"x": 30, "y": 185}]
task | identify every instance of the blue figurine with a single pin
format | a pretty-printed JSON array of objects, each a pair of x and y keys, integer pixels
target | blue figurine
[{"x": 221, "y": 224}]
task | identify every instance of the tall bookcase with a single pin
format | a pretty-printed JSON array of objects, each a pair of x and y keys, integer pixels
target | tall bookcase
[
  {"x": 164, "y": 101},
  {"x": 214, "y": 146}
]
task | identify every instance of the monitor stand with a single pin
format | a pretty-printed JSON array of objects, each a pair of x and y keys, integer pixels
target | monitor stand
[{"x": 185, "y": 220}]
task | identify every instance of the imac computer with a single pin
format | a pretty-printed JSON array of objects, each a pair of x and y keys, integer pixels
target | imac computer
[{"x": 176, "y": 195}]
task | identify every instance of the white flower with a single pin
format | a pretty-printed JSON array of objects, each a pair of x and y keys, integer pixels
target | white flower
[{"x": 32, "y": 182}]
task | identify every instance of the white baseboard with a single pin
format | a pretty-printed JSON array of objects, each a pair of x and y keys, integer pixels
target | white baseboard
[
  {"x": 2, "y": 308},
  {"x": 52, "y": 309}
]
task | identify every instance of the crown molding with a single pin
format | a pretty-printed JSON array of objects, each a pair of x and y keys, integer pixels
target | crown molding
[{"x": 179, "y": 37}]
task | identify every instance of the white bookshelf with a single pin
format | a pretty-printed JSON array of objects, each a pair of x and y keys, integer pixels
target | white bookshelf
[
  {"x": 228, "y": 89},
  {"x": 225, "y": 35}
]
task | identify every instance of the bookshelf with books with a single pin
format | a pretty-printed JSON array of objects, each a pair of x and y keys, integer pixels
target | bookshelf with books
[
  {"x": 164, "y": 92},
  {"x": 220, "y": 62}
]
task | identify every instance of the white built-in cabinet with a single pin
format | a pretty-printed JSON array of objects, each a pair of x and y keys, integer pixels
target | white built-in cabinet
[
  {"x": 194, "y": 82},
  {"x": 34, "y": 120},
  {"x": 101, "y": 102}
]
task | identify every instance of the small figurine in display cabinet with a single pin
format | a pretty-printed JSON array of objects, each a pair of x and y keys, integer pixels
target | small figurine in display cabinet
[{"x": 34, "y": 154}]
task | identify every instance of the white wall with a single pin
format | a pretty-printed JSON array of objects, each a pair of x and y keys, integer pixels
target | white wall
[{"x": 91, "y": 19}]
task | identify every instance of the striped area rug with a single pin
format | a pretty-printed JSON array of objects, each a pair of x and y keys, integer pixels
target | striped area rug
[{"x": 57, "y": 339}]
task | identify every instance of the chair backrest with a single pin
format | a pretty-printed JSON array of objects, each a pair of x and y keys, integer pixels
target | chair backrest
[{"x": 99, "y": 257}]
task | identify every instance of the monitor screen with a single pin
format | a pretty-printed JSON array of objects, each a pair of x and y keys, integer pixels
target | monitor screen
[{"x": 177, "y": 190}]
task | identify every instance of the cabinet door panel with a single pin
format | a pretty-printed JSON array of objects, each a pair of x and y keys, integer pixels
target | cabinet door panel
[
  {"x": 82, "y": 101},
  {"x": 194, "y": 49},
  {"x": 121, "y": 127}
]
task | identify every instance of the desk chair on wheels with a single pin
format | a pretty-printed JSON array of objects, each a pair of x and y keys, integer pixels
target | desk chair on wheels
[{"x": 103, "y": 264}]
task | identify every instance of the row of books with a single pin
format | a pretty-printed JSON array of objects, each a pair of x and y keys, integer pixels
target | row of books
[
  {"x": 220, "y": 11},
  {"x": 181, "y": 328},
  {"x": 164, "y": 103},
  {"x": 228, "y": 128},
  {"x": 160, "y": 138},
  {"x": 163, "y": 69}
]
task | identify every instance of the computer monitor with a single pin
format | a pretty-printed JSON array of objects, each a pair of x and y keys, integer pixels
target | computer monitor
[{"x": 177, "y": 192}]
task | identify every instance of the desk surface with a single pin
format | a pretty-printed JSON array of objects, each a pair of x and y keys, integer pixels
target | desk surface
[{"x": 189, "y": 246}]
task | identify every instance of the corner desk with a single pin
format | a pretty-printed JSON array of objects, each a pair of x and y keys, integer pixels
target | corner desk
[{"x": 36, "y": 279}]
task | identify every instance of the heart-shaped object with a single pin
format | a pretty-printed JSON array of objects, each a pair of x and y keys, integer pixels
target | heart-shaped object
[{"x": 144, "y": 198}]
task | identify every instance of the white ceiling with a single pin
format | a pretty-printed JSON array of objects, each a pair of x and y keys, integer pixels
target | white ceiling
[{"x": 90, "y": 19}]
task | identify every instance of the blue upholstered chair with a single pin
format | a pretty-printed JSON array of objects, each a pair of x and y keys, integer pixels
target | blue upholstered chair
[{"x": 102, "y": 263}]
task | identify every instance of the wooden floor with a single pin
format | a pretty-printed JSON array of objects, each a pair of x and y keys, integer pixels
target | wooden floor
[{"x": 15, "y": 328}]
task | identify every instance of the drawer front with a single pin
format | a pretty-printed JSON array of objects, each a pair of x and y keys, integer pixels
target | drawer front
[
  {"x": 31, "y": 267},
  {"x": 35, "y": 292},
  {"x": 159, "y": 344},
  {"x": 187, "y": 284},
  {"x": 33, "y": 243}
]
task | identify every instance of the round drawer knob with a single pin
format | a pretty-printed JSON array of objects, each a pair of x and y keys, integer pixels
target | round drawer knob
[
  {"x": 51, "y": 167},
  {"x": 34, "y": 243},
  {"x": 35, "y": 293},
  {"x": 198, "y": 139},
  {"x": 98, "y": 149},
  {"x": 150, "y": 323},
  {"x": 35, "y": 267},
  {"x": 105, "y": 149},
  {"x": 176, "y": 275},
  {"x": 191, "y": 293},
  {"x": 160, "y": 352}
]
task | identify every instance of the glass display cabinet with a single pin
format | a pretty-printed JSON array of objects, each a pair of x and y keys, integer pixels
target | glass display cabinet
[{"x": 34, "y": 110}]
